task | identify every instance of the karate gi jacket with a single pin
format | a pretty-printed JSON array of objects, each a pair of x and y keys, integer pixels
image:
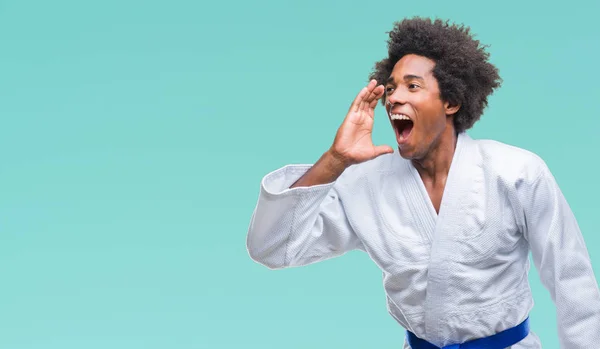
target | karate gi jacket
[{"x": 450, "y": 277}]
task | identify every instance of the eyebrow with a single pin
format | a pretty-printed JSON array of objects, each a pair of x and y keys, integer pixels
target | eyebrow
[{"x": 406, "y": 77}]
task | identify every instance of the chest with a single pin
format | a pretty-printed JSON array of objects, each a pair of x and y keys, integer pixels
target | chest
[
  {"x": 409, "y": 221},
  {"x": 435, "y": 193}
]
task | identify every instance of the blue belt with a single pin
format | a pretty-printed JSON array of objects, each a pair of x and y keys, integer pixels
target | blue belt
[{"x": 499, "y": 340}]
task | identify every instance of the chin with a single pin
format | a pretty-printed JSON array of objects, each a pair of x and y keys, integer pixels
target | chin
[{"x": 406, "y": 152}]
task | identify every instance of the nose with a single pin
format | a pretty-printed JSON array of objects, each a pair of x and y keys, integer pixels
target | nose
[{"x": 396, "y": 96}]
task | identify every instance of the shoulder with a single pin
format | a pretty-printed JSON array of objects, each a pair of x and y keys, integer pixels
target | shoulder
[{"x": 509, "y": 163}]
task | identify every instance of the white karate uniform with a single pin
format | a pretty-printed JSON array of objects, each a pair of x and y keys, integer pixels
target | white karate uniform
[{"x": 452, "y": 277}]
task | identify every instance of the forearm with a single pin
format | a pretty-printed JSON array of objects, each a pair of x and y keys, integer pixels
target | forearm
[
  {"x": 326, "y": 170},
  {"x": 298, "y": 226}
]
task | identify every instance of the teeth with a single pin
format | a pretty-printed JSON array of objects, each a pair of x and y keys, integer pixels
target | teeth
[{"x": 399, "y": 117}]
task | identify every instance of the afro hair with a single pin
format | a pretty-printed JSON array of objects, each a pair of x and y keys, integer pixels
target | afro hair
[{"x": 462, "y": 70}]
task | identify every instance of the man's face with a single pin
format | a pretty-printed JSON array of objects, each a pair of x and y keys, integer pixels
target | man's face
[{"x": 412, "y": 101}]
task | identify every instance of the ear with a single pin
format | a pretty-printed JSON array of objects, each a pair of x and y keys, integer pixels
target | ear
[{"x": 451, "y": 108}]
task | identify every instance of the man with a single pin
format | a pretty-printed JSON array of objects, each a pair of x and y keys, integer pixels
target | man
[{"x": 449, "y": 220}]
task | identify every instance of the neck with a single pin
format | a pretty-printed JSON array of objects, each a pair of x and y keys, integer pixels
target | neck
[{"x": 436, "y": 164}]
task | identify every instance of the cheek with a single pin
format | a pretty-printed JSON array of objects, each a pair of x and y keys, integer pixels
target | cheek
[{"x": 431, "y": 122}]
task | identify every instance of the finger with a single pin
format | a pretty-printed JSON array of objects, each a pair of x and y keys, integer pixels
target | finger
[
  {"x": 370, "y": 101},
  {"x": 366, "y": 101},
  {"x": 379, "y": 92},
  {"x": 383, "y": 149},
  {"x": 355, "y": 106},
  {"x": 372, "y": 84},
  {"x": 374, "y": 92},
  {"x": 358, "y": 103}
]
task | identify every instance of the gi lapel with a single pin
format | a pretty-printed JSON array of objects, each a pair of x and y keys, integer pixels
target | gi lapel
[
  {"x": 419, "y": 201},
  {"x": 460, "y": 210},
  {"x": 420, "y": 197}
]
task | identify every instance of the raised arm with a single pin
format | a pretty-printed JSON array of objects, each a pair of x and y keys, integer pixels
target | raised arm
[{"x": 299, "y": 217}]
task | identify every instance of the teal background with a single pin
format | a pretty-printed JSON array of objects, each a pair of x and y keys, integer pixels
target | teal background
[{"x": 134, "y": 135}]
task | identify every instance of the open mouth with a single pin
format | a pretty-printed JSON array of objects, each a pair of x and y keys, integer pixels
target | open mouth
[{"x": 403, "y": 126}]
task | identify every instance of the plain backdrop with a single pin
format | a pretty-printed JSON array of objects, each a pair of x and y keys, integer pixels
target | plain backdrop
[{"x": 134, "y": 135}]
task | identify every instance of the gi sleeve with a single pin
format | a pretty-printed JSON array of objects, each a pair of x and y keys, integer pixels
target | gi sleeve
[
  {"x": 563, "y": 263},
  {"x": 298, "y": 226}
]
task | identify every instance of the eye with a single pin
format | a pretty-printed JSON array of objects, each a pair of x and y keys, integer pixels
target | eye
[
  {"x": 413, "y": 86},
  {"x": 388, "y": 90}
]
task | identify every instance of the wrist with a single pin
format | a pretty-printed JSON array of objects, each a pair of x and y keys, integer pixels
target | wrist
[{"x": 335, "y": 163}]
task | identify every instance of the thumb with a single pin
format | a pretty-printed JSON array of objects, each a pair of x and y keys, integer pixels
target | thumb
[{"x": 383, "y": 149}]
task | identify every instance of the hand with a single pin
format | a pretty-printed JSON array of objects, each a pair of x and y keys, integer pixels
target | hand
[{"x": 353, "y": 142}]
